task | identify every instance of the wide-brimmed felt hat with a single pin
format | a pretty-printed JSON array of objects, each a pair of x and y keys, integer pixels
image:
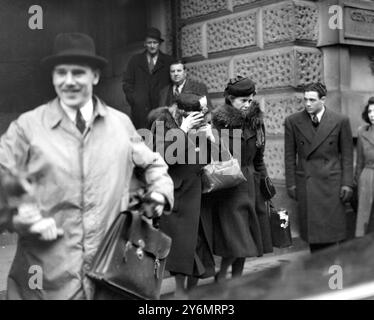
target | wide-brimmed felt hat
[
  {"x": 154, "y": 33},
  {"x": 240, "y": 87},
  {"x": 74, "y": 48}
]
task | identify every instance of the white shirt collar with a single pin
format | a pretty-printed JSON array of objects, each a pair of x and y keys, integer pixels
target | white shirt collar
[
  {"x": 320, "y": 114},
  {"x": 86, "y": 110}
]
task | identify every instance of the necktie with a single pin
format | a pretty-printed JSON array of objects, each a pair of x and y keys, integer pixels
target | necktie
[
  {"x": 176, "y": 91},
  {"x": 151, "y": 65},
  {"x": 315, "y": 120},
  {"x": 79, "y": 122}
]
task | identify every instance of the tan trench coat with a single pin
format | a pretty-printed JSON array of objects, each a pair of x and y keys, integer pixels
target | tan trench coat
[{"x": 84, "y": 186}]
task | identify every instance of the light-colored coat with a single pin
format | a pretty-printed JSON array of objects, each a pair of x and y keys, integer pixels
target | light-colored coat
[
  {"x": 83, "y": 185},
  {"x": 319, "y": 162},
  {"x": 364, "y": 178}
]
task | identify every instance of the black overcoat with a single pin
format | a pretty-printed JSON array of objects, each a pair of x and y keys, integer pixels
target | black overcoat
[
  {"x": 142, "y": 88},
  {"x": 240, "y": 221},
  {"x": 189, "y": 225},
  {"x": 318, "y": 162}
]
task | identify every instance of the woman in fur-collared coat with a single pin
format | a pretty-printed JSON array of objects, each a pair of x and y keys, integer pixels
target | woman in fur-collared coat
[
  {"x": 241, "y": 225},
  {"x": 190, "y": 229}
]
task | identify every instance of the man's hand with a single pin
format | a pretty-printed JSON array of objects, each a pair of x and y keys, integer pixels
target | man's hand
[
  {"x": 159, "y": 203},
  {"x": 46, "y": 229},
  {"x": 27, "y": 215},
  {"x": 291, "y": 191},
  {"x": 29, "y": 221},
  {"x": 346, "y": 193}
]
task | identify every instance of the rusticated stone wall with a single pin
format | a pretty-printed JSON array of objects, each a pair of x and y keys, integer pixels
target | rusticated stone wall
[{"x": 272, "y": 42}]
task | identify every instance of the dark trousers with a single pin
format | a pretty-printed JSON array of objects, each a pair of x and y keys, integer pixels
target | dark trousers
[{"x": 314, "y": 247}]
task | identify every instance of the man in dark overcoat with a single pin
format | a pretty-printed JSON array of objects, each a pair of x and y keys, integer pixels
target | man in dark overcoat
[
  {"x": 319, "y": 168},
  {"x": 147, "y": 73},
  {"x": 181, "y": 83}
]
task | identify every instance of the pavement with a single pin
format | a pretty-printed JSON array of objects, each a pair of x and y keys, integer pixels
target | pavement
[{"x": 252, "y": 265}]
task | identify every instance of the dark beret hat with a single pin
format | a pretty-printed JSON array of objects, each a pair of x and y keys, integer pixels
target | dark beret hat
[
  {"x": 240, "y": 87},
  {"x": 188, "y": 102}
]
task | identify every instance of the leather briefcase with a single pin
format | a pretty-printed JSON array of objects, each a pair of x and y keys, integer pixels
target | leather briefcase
[{"x": 131, "y": 259}]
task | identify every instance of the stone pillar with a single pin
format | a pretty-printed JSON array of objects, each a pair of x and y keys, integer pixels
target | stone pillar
[{"x": 346, "y": 38}]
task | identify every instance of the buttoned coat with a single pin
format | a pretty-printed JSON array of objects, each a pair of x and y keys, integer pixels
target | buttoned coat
[
  {"x": 189, "y": 225},
  {"x": 241, "y": 226},
  {"x": 319, "y": 162},
  {"x": 142, "y": 88},
  {"x": 83, "y": 183},
  {"x": 191, "y": 86}
]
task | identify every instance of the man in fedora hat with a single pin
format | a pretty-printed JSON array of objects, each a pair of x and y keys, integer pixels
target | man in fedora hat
[
  {"x": 147, "y": 73},
  {"x": 81, "y": 154}
]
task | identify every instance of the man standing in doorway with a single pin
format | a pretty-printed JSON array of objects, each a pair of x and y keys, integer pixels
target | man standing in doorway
[
  {"x": 319, "y": 168},
  {"x": 147, "y": 73}
]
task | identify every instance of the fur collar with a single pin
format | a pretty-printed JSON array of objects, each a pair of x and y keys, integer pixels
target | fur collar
[
  {"x": 227, "y": 116},
  {"x": 171, "y": 119}
]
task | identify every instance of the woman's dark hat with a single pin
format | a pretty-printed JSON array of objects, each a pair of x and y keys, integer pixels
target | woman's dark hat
[
  {"x": 74, "y": 48},
  {"x": 154, "y": 34},
  {"x": 188, "y": 102},
  {"x": 240, "y": 87}
]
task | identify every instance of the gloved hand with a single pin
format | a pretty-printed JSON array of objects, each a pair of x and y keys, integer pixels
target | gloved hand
[
  {"x": 346, "y": 193},
  {"x": 291, "y": 191}
]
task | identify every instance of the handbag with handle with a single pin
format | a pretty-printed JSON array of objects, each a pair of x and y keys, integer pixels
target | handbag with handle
[
  {"x": 219, "y": 175},
  {"x": 131, "y": 259},
  {"x": 280, "y": 226}
]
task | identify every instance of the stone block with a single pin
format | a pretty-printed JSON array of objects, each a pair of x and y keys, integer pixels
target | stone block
[
  {"x": 192, "y": 40},
  {"x": 309, "y": 66},
  {"x": 292, "y": 66},
  {"x": 269, "y": 69},
  {"x": 277, "y": 108},
  {"x": 232, "y": 32},
  {"x": 194, "y": 8},
  {"x": 274, "y": 158},
  {"x": 214, "y": 73},
  {"x": 290, "y": 21}
]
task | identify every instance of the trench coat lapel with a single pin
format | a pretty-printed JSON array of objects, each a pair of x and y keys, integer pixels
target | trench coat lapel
[
  {"x": 327, "y": 124},
  {"x": 304, "y": 124}
]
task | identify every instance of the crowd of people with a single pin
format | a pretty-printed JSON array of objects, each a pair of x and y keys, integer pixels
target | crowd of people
[{"x": 76, "y": 156}]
